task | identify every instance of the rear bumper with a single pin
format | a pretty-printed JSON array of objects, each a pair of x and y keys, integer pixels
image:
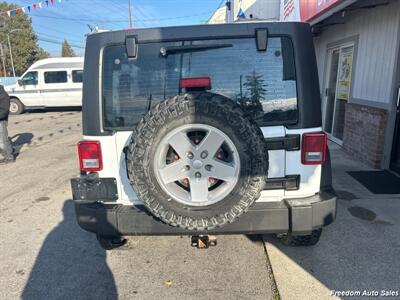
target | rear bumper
[{"x": 299, "y": 216}]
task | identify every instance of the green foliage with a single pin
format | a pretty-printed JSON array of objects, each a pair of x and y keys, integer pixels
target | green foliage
[
  {"x": 24, "y": 42},
  {"x": 255, "y": 92},
  {"x": 255, "y": 85},
  {"x": 66, "y": 50}
]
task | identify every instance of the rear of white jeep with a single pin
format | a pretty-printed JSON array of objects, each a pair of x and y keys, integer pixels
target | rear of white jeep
[{"x": 203, "y": 130}]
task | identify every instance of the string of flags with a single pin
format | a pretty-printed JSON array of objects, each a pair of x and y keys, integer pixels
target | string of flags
[{"x": 28, "y": 8}]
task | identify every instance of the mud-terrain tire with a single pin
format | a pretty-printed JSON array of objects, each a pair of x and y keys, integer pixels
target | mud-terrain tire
[
  {"x": 208, "y": 109},
  {"x": 302, "y": 240}
]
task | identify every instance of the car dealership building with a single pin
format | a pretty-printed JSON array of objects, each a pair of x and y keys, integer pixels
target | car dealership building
[{"x": 357, "y": 46}]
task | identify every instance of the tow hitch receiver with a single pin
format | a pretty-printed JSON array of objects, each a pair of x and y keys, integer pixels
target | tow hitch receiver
[{"x": 203, "y": 241}]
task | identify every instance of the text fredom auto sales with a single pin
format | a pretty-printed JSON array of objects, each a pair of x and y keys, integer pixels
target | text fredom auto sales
[{"x": 366, "y": 293}]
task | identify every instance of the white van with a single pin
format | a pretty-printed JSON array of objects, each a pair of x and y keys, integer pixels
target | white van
[{"x": 49, "y": 82}]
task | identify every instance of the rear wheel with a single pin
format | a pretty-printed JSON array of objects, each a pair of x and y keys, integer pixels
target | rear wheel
[
  {"x": 110, "y": 242},
  {"x": 16, "y": 106},
  {"x": 197, "y": 162},
  {"x": 302, "y": 240}
]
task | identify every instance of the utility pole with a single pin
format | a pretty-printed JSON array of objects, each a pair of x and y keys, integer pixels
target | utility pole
[
  {"x": 9, "y": 47},
  {"x": 230, "y": 11},
  {"x": 3, "y": 61},
  {"x": 11, "y": 56},
  {"x": 130, "y": 14}
]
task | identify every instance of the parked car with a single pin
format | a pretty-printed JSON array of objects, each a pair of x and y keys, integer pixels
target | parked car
[
  {"x": 51, "y": 82},
  {"x": 200, "y": 130}
]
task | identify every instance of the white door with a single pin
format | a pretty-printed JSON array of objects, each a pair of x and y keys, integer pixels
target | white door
[
  {"x": 337, "y": 90},
  {"x": 28, "y": 90},
  {"x": 55, "y": 88}
]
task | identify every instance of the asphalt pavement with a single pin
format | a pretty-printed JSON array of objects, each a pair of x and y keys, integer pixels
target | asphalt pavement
[
  {"x": 357, "y": 256},
  {"x": 45, "y": 255}
]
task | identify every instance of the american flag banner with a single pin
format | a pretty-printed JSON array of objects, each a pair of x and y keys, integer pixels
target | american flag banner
[{"x": 288, "y": 7}]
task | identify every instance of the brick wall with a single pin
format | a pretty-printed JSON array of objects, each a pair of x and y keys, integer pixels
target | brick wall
[{"x": 364, "y": 133}]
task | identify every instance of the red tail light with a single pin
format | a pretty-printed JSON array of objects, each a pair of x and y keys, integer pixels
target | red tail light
[
  {"x": 90, "y": 158},
  {"x": 198, "y": 82},
  {"x": 313, "y": 149}
]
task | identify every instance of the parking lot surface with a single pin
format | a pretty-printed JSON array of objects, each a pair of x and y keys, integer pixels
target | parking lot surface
[
  {"x": 357, "y": 253},
  {"x": 45, "y": 255}
]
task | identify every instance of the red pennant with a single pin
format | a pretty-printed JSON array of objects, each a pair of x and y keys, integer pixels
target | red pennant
[
  {"x": 52, "y": 2},
  {"x": 34, "y": 5},
  {"x": 18, "y": 10}
]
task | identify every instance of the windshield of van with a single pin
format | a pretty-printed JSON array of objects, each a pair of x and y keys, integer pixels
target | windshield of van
[
  {"x": 30, "y": 78},
  {"x": 263, "y": 83}
]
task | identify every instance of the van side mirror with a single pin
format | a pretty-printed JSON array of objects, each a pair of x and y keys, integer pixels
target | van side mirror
[{"x": 20, "y": 82}]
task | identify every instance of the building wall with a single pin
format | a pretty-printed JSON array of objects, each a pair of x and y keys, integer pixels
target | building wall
[
  {"x": 370, "y": 111},
  {"x": 266, "y": 10},
  {"x": 255, "y": 9},
  {"x": 369, "y": 115},
  {"x": 377, "y": 30},
  {"x": 219, "y": 16},
  {"x": 364, "y": 134}
]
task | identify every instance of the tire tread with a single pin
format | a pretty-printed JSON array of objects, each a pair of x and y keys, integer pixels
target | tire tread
[{"x": 212, "y": 104}]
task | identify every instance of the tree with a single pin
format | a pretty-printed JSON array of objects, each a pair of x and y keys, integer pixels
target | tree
[
  {"x": 66, "y": 50},
  {"x": 256, "y": 88},
  {"x": 23, "y": 40}
]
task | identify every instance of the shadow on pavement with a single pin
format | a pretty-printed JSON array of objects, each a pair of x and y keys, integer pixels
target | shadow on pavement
[
  {"x": 55, "y": 109},
  {"x": 255, "y": 238},
  {"x": 19, "y": 140},
  {"x": 353, "y": 254},
  {"x": 70, "y": 265}
]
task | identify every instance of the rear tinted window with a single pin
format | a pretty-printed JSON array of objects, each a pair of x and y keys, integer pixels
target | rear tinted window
[
  {"x": 55, "y": 77},
  {"x": 263, "y": 83},
  {"x": 77, "y": 76}
]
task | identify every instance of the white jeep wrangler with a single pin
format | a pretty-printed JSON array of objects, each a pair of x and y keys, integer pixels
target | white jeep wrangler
[{"x": 198, "y": 130}]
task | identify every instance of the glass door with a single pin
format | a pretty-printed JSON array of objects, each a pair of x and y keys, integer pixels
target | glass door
[
  {"x": 337, "y": 90},
  {"x": 395, "y": 161},
  {"x": 330, "y": 89}
]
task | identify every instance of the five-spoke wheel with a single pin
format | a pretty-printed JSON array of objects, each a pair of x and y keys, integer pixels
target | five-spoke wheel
[{"x": 197, "y": 164}]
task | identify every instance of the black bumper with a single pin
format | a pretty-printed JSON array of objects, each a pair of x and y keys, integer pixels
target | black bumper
[{"x": 300, "y": 216}]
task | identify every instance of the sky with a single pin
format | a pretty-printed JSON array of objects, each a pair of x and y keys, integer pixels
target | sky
[{"x": 70, "y": 18}]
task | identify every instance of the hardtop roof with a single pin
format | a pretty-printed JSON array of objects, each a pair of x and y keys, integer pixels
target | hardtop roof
[
  {"x": 202, "y": 31},
  {"x": 58, "y": 63}
]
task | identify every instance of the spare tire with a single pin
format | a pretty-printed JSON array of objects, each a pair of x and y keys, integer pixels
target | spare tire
[{"x": 196, "y": 161}]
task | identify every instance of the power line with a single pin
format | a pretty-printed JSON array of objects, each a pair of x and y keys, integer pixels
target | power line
[
  {"x": 57, "y": 37},
  {"x": 51, "y": 29},
  {"x": 43, "y": 39},
  {"x": 218, "y": 7},
  {"x": 118, "y": 9},
  {"x": 142, "y": 15},
  {"x": 120, "y": 20}
]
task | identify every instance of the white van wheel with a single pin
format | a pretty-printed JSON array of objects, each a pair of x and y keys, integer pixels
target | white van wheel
[{"x": 16, "y": 107}]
